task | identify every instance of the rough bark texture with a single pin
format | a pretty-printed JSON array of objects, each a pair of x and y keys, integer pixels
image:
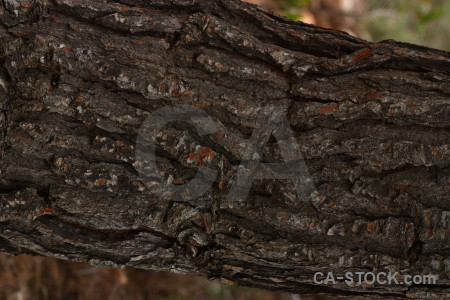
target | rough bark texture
[{"x": 78, "y": 78}]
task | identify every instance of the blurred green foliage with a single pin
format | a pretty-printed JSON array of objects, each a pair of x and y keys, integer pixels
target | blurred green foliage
[
  {"x": 290, "y": 8},
  {"x": 425, "y": 22}
]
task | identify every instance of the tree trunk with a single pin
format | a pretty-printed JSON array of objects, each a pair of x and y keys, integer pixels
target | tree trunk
[{"x": 79, "y": 78}]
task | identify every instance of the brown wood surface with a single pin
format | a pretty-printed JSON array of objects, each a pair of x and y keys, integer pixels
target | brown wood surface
[{"x": 78, "y": 78}]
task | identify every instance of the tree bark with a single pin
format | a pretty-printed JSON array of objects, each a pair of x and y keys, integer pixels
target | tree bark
[{"x": 78, "y": 78}]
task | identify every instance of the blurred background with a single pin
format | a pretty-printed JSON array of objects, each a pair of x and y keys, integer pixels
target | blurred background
[
  {"x": 39, "y": 278},
  {"x": 424, "y": 22}
]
